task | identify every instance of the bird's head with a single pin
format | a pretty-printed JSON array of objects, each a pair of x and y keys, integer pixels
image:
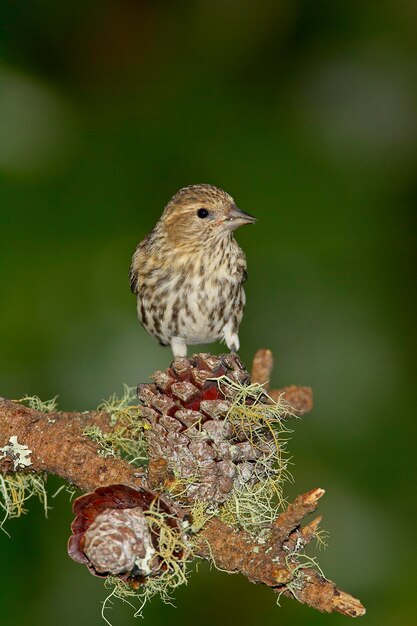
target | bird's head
[{"x": 201, "y": 213}]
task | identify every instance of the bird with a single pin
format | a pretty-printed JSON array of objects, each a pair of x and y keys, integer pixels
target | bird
[{"x": 189, "y": 271}]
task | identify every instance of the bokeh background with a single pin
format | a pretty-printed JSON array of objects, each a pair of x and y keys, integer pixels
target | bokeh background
[{"x": 305, "y": 111}]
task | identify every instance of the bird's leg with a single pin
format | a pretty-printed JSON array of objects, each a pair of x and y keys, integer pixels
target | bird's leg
[
  {"x": 231, "y": 337},
  {"x": 179, "y": 347}
]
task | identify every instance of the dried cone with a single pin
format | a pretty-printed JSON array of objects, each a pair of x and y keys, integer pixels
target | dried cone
[
  {"x": 185, "y": 412},
  {"x": 112, "y": 534}
]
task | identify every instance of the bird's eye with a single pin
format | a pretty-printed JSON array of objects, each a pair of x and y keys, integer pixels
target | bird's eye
[{"x": 202, "y": 213}]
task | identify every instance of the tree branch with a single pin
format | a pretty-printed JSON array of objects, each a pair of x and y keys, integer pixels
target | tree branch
[{"x": 57, "y": 446}]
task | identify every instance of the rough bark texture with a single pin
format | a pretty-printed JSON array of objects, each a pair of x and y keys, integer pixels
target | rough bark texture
[
  {"x": 273, "y": 561},
  {"x": 58, "y": 447}
]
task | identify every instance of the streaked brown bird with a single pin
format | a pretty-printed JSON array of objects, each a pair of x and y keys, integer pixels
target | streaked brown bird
[{"x": 188, "y": 273}]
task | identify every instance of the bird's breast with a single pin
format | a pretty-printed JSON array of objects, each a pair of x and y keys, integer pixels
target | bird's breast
[{"x": 194, "y": 299}]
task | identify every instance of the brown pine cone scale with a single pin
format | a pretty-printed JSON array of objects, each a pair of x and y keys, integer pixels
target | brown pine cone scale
[{"x": 185, "y": 410}]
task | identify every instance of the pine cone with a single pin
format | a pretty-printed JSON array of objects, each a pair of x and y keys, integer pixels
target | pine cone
[
  {"x": 118, "y": 541},
  {"x": 114, "y": 532},
  {"x": 186, "y": 411}
]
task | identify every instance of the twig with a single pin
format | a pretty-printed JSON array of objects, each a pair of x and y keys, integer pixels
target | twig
[
  {"x": 263, "y": 363},
  {"x": 299, "y": 398}
]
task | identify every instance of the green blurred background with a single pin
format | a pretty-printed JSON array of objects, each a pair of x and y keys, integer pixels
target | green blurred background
[{"x": 305, "y": 111}]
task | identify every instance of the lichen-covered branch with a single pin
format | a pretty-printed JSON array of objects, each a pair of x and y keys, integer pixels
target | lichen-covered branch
[
  {"x": 274, "y": 560},
  {"x": 236, "y": 551},
  {"x": 179, "y": 400},
  {"x": 57, "y": 446}
]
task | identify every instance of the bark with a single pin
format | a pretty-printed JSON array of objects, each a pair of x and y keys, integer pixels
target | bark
[{"x": 58, "y": 446}]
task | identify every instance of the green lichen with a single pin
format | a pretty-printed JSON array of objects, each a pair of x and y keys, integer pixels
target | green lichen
[
  {"x": 69, "y": 489},
  {"x": 298, "y": 562},
  {"x": 161, "y": 587},
  {"x": 172, "y": 569},
  {"x": 16, "y": 489},
  {"x": 321, "y": 535},
  {"x": 252, "y": 507},
  {"x": 43, "y": 406},
  {"x": 126, "y": 435},
  {"x": 201, "y": 513},
  {"x": 105, "y": 440},
  {"x": 259, "y": 419}
]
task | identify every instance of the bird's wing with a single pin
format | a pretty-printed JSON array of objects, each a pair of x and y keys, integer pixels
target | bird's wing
[
  {"x": 241, "y": 263},
  {"x": 137, "y": 262},
  {"x": 132, "y": 278}
]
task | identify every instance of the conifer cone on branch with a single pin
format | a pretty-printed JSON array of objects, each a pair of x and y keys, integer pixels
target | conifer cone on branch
[
  {"x": 185, "y": 409},
  {"x": 188, "y": 412}
]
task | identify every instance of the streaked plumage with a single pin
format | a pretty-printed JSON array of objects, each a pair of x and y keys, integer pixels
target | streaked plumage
[{"x": 188, "y": 273}]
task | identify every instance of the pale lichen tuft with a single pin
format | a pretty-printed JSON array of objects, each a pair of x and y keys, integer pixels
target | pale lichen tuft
[
  {"x": 43, "y": 406},
  {"x": 126, "y": 435},
  {"x": 16, "y": 489}
]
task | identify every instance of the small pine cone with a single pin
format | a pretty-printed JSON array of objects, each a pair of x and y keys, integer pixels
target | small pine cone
[
  {"x": 185, "y": 412},
  {"x": 118, "y": 541},
  {"x": 112, "y": 534}
]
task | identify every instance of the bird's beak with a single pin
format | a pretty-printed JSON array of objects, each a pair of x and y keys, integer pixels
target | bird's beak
[{"x": 236, "y": 217}]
